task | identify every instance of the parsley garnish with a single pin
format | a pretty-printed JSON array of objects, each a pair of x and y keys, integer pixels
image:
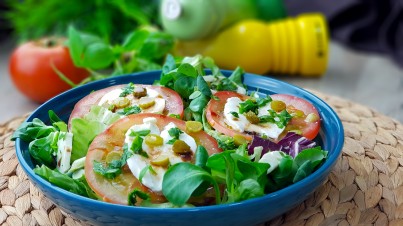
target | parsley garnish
[
  {"x": 235, "y": 114},
  {"x": 252, "y": 105},
  {"x": 282, "y": 118},
  {"x": 114, "y": 168},
  {"x": 174, "y": 133},
  {"x": 261, "y": 102},
  {"x": 248, "y": 105},
  {"x": 175, "y": 116},
  {"x": 127, "y": 90},
  {"x": 144, "y": 171},
  {"x": 136, "y": 146},
  {"x": 130, "y": 110},
  {"x": 132, "y": 197},
  {"x": 141, "y": 133}
]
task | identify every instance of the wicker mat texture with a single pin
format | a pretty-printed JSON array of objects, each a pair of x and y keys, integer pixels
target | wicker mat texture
[{"x": 364, "y": 188}]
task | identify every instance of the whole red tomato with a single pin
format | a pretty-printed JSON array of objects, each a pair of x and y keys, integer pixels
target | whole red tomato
[{"x": 32, "y": 73}]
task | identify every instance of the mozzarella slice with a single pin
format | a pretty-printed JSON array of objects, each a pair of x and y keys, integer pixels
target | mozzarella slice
[
  {"x": 239, "y": 124},
  {"x": 137, "y": 163},
  {"x": 273, "y": 158},
  {"x": 153, "y": 181}
]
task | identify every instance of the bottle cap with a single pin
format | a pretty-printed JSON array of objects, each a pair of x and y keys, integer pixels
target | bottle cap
[{"x": 300, "y": 45}]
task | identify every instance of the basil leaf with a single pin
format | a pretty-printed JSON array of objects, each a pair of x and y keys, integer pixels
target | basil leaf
[
  {"x": 76, "y": 46},
  {"x": 135, "y": 40},
  {"x": 98, "y": 55},
  {"x": 156, "y": 46}
]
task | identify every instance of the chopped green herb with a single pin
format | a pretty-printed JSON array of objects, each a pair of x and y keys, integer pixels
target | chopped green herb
[
  {"x": 131, "y": 110},
  {"x": 215, "y": 97},
  {"x": 280, "y": 119},
  {"x": 141, "y": 133},
  {"x": 136, "y": 146},
  {"x": 174, "y": 133},
  {"x": 114, "y": 168},
  {"x": 175, "y": 116},
  {"x": 111, "y": 107},
  {"x": 132, "y": 197},
  {"x": 235, "y": 114},
  {"x": 248, "y": 105},
  {"x": 127, "y": 90},
  {"x": 261, "y": 102},
  {"x": 144, "y": 171}
]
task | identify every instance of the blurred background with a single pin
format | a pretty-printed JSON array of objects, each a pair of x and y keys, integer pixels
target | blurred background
[{"x": 348, "y": 48}]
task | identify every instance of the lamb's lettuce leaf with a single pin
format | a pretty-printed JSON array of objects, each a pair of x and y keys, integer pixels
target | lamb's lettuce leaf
[{"x": 76, "y": 186}]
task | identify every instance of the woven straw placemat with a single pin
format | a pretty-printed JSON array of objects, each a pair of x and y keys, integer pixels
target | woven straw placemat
[{"x": 364, "y": 188}]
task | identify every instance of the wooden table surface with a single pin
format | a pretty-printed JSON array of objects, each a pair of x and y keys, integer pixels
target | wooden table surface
[{"x": 369, "y": 79}]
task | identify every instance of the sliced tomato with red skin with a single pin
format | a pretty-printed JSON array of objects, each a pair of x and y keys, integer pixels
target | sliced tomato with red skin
[
  {"x": 173, "y": 102},
  {"x": 112, "y": 139},
  {"x": 215, "y": 114},
  {"x": 308, "y": 129}
]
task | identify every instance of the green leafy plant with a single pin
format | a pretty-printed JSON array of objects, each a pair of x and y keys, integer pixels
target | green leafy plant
[
  {"x": 109, "y": 20},
  {"x": 143, "y": 49},
  {"x": 180, "y": 74}
]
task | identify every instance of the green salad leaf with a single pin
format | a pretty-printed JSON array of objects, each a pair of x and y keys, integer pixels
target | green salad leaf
[
  {"x": 76, "y": 186},
  {"x": 182, "y": 180},
  {"x": 87, "y": 128}
]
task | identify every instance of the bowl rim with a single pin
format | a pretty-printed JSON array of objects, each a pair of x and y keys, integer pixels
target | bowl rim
[{"x": 326, "y": 166}]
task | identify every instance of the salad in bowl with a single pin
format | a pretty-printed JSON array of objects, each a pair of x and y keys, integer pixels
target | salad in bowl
[{"x": 194, "y": 138}]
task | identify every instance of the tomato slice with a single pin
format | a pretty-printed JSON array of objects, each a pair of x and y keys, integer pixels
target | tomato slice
[
  {"x": 309, "y": 129},
  {"x": 173, "y": 102},
  {"x": 215, "y": 114},
  {"x": 112, "y": 139}
]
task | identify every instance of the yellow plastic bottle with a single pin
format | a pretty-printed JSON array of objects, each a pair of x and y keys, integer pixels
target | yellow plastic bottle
[{"x": 291, "y": 46}]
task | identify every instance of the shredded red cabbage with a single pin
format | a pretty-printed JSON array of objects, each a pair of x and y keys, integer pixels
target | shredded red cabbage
[{"x": 292, "y": 144}]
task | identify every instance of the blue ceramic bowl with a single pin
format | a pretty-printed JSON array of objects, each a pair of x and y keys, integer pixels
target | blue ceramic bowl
[{"x": 250, "y": 212}]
